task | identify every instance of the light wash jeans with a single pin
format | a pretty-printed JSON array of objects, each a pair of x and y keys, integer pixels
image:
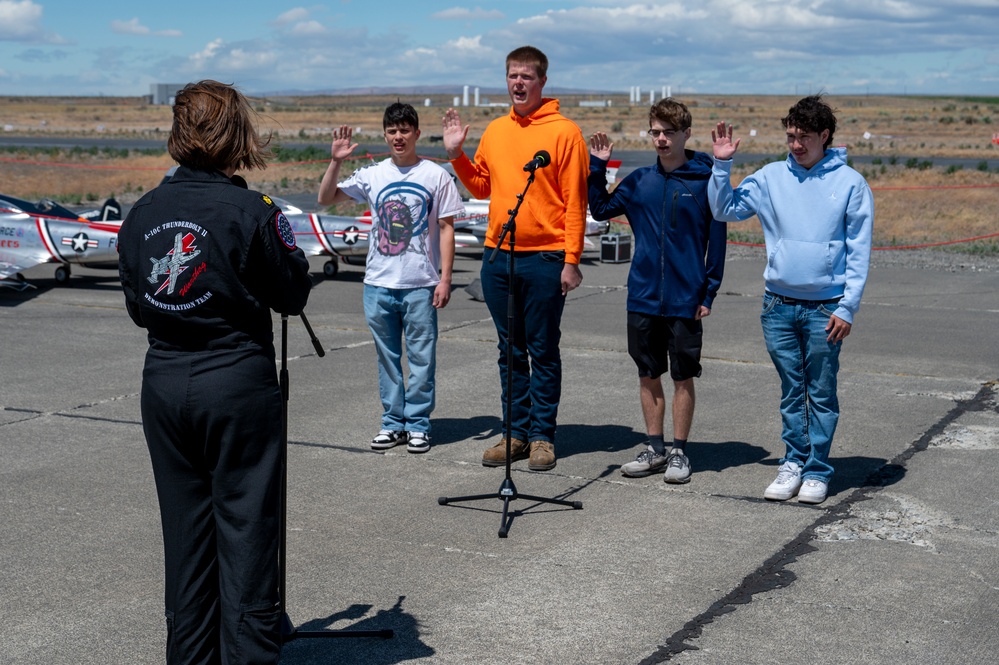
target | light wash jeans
[
  {"x": 795, "y": 335},
  {"x": 391, "y": 315}
]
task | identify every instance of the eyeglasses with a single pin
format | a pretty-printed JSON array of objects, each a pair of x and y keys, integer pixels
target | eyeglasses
[{"x": 668, "y": 133}]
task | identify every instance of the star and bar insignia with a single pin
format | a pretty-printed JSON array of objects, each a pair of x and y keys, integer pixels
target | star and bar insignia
[{"x": 80, "y": 242}]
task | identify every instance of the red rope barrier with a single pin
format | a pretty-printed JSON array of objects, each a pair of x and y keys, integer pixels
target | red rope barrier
[
  {"x": 370, "y": 156},
  {"x": 889, "y": 247},
  {"x": 81, "y": 166},
  {"x": 876, "y": 189}
]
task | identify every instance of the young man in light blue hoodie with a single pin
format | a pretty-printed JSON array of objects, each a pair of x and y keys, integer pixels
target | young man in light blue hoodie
[{"x": 817, "y": 215}]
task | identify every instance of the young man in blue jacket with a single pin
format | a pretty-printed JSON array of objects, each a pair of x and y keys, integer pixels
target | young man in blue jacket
[
  {"x": 817, "y": 215},
  {"x": 675, "y": 274}
]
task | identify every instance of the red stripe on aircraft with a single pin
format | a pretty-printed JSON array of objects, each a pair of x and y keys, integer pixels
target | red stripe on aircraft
[
  {"x": 43, "y": 232},
  {"x": 317, "y": 227}
]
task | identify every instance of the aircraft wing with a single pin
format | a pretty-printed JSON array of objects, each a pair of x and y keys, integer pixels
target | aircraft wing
[
  {"x": 11, "y": 264},
  {"x": 18, "y": 249}
]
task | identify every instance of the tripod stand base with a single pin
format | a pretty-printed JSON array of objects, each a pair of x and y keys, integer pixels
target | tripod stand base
[
  {"x": 507, "y": 493},
  {"x": 289, "y": 632}
]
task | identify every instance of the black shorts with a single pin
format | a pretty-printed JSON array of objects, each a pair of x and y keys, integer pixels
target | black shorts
[{"x": 658, "y": 343}]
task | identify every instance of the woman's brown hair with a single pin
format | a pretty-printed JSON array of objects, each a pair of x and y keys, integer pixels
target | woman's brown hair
[{"x": 213, "y": 129}]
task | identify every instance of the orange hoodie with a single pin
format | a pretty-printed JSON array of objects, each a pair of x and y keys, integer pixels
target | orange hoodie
[{"x": 553, "y": 214}]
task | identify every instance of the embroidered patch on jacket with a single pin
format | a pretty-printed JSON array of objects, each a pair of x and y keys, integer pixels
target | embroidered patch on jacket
[
  {"x": 178, "y": 252},
  {"x": 284, "y": 230},
  {"x": 267, "y": 199}
]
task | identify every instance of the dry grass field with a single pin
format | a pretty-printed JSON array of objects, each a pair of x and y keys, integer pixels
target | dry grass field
[{"x": 917, "y": 201}]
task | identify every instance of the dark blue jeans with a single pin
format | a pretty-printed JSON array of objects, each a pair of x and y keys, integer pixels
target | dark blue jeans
[{"x": 535, "y": 360}]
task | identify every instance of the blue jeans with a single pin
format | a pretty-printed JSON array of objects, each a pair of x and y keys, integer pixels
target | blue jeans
[
  {"x": 392, "y": 313},
  {"x": 535, "y": 363},
  {"x": 795, "y": 335}
]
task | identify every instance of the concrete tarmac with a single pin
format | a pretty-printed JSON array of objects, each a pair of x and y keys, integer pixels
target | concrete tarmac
[{"x": 899, "y": 565}]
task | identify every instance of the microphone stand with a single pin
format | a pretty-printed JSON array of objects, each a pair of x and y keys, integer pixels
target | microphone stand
[
  {"x": 508, "y": 491},
  {"x": 287, "y": 628}
]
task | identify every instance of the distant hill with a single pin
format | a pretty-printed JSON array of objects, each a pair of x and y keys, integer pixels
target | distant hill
[{"x": 421, "y": 90}]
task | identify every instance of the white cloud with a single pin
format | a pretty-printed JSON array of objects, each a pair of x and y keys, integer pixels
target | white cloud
[
  {"x": 744, "y": 45},
  {"x": 467, "y": 43},
  {"x": 464, "y": 14},
  {"x": 308, "y": 29},
  {"x": 22, "y": 22},
  {"x": 221, "y": 59},
  {"x": 133, "y": 27},
  {"x": 129, "y": 27},
  {"x": 295, "y": 15},
  {"x": 241, "y": 59},
  {"x": 712, "y": 46},
  {"x": 205, "y": 56},
  {"x": 779, "y": 55}
]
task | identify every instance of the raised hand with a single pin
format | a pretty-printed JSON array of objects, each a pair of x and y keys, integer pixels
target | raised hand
[
  {"x": 601, "y": 147},
  {"x": 454, "y": 133},
  {"x": 342, "y": 148},
  {"x": 721, "y": 141}
]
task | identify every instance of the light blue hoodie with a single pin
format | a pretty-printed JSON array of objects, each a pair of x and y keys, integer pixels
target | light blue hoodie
[{"x": 817, "y": 224}]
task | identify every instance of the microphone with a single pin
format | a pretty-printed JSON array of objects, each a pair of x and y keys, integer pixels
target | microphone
[{"x": 541, "y": 160}]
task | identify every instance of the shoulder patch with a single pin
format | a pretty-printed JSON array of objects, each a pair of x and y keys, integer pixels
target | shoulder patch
[
  {"x": 267, "y": 199},
  {"x": 284, "y": 230}
]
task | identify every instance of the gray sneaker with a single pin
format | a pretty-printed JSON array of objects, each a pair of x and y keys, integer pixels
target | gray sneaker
[
  {"x": 647, "y": 463},
  {"x": 677, "y": 469}
]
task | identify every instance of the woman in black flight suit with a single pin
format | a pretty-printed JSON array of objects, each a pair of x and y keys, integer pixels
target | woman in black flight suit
[{"x": 203, "y": 261}]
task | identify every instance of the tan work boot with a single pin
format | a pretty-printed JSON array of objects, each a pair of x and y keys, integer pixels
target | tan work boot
[
  {"x": 496, "y": 456},
  {"x": 542, "y": 456}
]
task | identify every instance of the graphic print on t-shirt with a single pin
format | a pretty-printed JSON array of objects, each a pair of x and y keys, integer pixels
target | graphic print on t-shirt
[{"x": 403, "y": 210}]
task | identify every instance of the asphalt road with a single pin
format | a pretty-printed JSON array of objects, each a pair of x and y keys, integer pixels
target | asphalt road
[{"x": 900, "y": 565}]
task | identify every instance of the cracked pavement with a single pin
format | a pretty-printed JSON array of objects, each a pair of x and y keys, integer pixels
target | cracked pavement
[{"x": 899, "y": 565}]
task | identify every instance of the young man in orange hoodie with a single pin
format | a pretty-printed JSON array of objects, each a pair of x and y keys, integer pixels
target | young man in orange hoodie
[{"x": 550, "y": 226}]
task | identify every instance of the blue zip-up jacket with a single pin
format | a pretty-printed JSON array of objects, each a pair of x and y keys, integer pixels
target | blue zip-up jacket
[
  {"x": 817, "y": 224},
  {"x": 679, "y": 256}
]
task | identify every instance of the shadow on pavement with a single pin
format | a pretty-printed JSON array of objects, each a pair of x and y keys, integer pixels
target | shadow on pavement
[{"x": 404, "y": 645}]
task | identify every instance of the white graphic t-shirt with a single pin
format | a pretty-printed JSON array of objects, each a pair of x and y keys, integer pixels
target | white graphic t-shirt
[{"x": 406, "y": 204}]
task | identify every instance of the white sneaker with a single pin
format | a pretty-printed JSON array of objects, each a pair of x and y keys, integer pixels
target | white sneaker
[
  {"x": 387, "y": 438},
  {"x": 786, "y": 484},
  {"x": 419, "y": 442},
  {"x": 813, "y": 491}
]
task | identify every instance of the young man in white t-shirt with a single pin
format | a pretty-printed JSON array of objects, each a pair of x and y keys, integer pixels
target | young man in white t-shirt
[{"x": 408, "y": 273}]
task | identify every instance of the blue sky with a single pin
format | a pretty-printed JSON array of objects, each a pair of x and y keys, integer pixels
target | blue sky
[{"x": 68, "y": 47}]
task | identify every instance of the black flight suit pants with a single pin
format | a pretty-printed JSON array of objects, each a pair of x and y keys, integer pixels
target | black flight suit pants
[{"x": 212, "y": 422}]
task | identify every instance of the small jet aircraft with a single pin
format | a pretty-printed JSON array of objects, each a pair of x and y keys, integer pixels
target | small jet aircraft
[
  {"x": 476, "y": 222},
  {"x": 335, "y": 236},
  {"x": 346, "y": 238},
  {"x": 45, "y": 232}
]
